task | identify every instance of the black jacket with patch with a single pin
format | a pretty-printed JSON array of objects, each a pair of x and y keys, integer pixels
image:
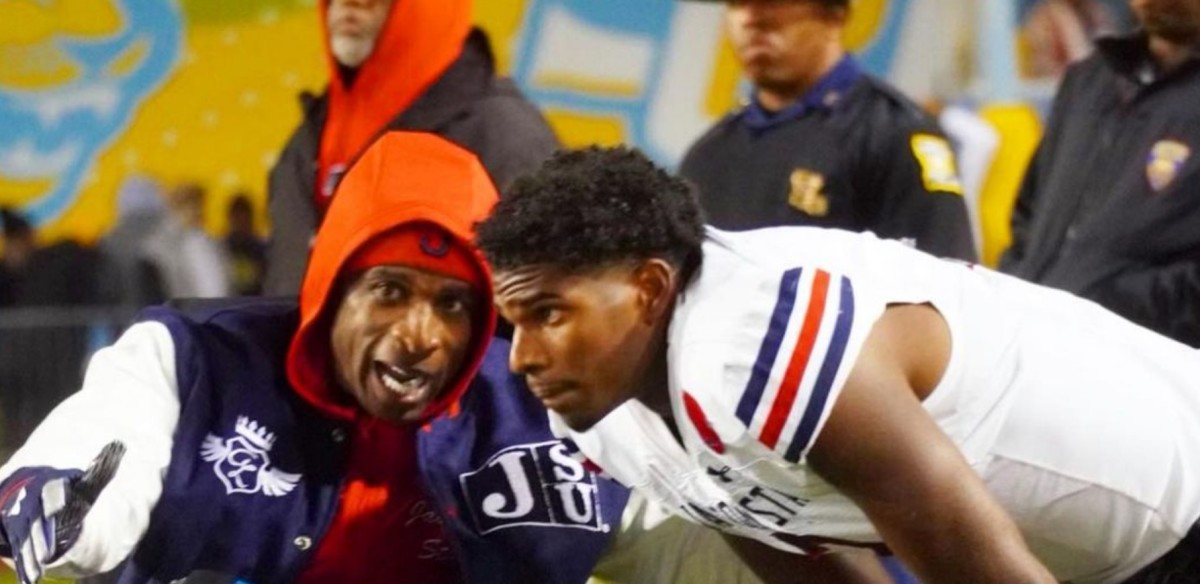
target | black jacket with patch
[
  {"x": 1110, "y": 205},
  {"x": 849, "y": 162}
]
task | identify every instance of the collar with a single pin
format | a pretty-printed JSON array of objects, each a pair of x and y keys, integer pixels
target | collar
[
  {"x": 826, "y": 93},
  {"x": 1129, "y": 55}
]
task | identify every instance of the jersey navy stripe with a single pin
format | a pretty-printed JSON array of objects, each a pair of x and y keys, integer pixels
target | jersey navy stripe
[
  {"x": 769, "y": 350},
  {"x": 829, "y": 369}
]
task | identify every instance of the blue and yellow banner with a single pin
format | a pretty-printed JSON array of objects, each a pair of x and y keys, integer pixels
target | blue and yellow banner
[{"x": 93, "y": 91}]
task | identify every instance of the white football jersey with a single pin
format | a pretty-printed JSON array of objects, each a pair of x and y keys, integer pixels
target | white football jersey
[{"x": 1086, "y": 428}]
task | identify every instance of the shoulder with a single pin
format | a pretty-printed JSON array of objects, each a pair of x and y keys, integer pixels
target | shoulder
[
  {"x": 885, "y": 106},
  {"x": 505, "y": 109},
  {"x": 772, "y": 341},
  {"x": 714, "y": 139},
  {"x": 313, "y": 110},
  {"x": 1083, "y": 77},
  {"x": 494, "y": 367},
  {"x": 497, "y": 392},
  {"x": 254, "y": 324},
  {"x": 495, "y": 102}
]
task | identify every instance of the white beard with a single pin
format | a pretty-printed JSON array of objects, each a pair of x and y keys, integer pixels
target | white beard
[{"x": 351, "y": 51}]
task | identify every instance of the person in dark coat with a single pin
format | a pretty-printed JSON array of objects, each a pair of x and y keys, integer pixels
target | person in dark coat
[
  {"x": 1110, "y": 206},
  {"x": 822, "y": 143},
  {"x": 411, "y": 65},
  {"x": 369, "y": 433}
]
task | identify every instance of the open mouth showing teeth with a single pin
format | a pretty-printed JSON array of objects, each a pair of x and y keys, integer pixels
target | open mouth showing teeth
[{"x": 402, "y": 381}]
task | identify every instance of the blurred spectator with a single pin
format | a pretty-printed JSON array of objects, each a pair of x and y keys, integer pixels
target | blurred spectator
[
  {"x": 18, "y": 245},
  {"x": 54, "y": 278},
  {"x": 246, "y": 251},
  {"x": 821, "y": 142},
  {"x": 65, "y": 273},
  {"x": 1058, "y": 33},
  {"x": 1110, "y": 205},
  {"x": 411, "y": 65},
  {"x": 190, "y": 262},
  {"x": 131, "y": 278}
]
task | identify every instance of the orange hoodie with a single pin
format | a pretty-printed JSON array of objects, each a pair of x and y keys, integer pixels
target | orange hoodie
[
  {"x": 384, "y": 525},
  {"x": 418, "y": 42}
]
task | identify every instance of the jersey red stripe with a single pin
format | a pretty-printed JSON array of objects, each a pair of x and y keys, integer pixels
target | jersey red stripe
[{"x": 790, "y": 386}]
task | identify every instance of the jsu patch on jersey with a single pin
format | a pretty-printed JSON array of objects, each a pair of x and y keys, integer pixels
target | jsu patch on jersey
[{"x": 533, "y": 484}]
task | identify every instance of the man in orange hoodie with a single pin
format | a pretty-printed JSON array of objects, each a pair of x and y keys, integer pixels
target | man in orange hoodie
[
  {"x": 370, "y": 433},
  {"x": 394, "y": 65}
]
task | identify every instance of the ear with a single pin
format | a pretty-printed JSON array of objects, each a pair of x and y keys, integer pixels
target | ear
[{"x": 656, "y": 281}]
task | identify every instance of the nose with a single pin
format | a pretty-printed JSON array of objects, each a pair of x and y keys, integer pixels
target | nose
[
  {"x": 527, "y": 357},
  {"x": 417, "y": 331}
]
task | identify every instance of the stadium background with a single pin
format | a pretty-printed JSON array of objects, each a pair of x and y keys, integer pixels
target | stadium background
[{"x": 94, "y": 91}]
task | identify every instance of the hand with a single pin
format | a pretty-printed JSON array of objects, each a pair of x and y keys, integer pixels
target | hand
[{"x": 42, "y": 510}]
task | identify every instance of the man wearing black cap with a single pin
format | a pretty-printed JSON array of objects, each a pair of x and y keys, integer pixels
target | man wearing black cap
[{"x": 822, "y": 143}]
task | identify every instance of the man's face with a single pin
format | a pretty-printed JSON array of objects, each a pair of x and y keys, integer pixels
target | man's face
[
  {"x": 400, "y": 337},
  {"x": 579, "y": 338},
  {"x": 354, "y": 27},
  {"x": 780, "y": 42},
  {"x": 1177, "y": 21}
]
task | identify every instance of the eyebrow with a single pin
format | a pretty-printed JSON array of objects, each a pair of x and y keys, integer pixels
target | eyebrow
[
  {"x": 524, "y": 300},
  {"x": 390, "y": 272}
]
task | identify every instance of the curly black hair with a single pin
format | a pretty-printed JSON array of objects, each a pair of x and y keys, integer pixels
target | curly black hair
[{"x": 592, "y": 208}]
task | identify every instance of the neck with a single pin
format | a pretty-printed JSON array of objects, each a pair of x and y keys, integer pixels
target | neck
[
  {"x": 777, "y": 96},
  {"x": 654, "y": 388},
  {"x": 1170, "y": 54}
]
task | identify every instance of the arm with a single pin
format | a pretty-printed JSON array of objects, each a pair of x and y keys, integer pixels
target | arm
[
  {"x": 514, "y": 138},
  {"x": 129, "y": 395},
  {"x": 921, "y": 194},
  {"x": 774, "y": 566},
  {"x": 881, "y": 449}
]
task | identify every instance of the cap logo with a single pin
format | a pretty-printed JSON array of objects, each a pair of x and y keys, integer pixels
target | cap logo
[{"x": 435, "y": 244}]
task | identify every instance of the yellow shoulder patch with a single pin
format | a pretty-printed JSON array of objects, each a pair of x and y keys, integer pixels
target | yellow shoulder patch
[{"x": 939, "y": 172}]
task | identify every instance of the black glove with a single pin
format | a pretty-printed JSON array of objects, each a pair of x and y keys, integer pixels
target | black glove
[{"x": 42, "y": 510}]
